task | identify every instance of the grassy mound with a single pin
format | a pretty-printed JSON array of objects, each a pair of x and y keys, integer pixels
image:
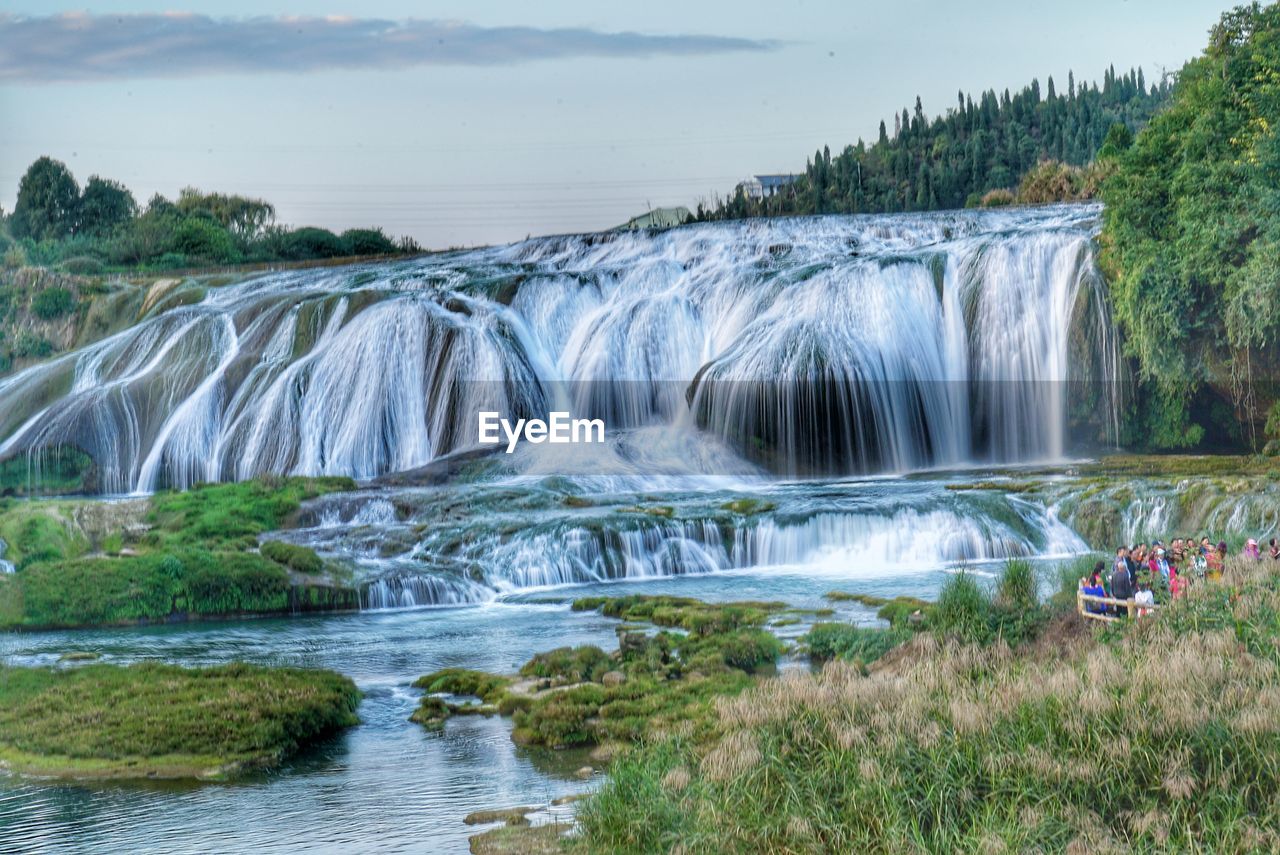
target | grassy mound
[
  {"x": 196, "y": 556},
  {"x": 1158, "y": 735},
  {"x": 163, "y": 721}
]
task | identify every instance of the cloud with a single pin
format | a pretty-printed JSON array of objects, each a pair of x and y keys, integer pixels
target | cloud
[{"x": 83, "y": 46}]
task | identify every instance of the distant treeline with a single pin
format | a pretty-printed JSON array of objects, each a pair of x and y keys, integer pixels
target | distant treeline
[
  {"x": 978, "y": 150},
  {"x": 56, "y": 223}
]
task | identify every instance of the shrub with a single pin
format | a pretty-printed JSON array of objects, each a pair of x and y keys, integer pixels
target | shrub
[
  {"x": 309, "y": 242},
  {"x": 1017, "y": 586},
  {"x": 52, "y": 303},
  {"x": 463, "y": 681},
  {"x": 31, "y": 346},
  {"x": 367, "y": 242},
  {"x": 570, "y": 664},
  {"x": 751, "y": 649},
  {"x": 15, "y": 257},
  {"x": 299, "y": 558},
  {"x": 998, "y": 198},
  {"x": 83, "y": 265},
  {"x": 204, "y": 239},
  {"x": 853, "y": 643},
  {"x": 962, "y": 610}
]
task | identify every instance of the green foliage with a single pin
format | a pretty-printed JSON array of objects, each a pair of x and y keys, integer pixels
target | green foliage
[
  {"x": 161, "y": 720},
  {"x": 308, "y": 242},
  {"x": 300, "y": 558},
  {"x": 1191, "y": 237},
  {"x": 195, "y": 560},
  {"x": 367, "y": 242},
  {"x": 232, "y": 515},
  {"x": 105, "y": 205},
  {"x": 29, "y": 345},
  {"x": 48, "y": 198},
  {"x": 682, "y": 612},
  {"x": 244, "y": 217},
  {"x": 53, "y": 303},
  {"x": 961, "y": 749},
  {"x": 205, "y": 240},
  {"x": 463, "y": 681},
  {"x": 962, "y": 610},
  {"x": 957, "y": 159},
  {"x": 853, "y": 643},
  {"x": 55, "y": 224},
  {"x": 569, "y": 664},
  {"x": 1017, "y": 586}
]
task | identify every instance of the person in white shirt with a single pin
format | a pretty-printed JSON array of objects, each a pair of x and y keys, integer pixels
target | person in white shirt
[{"x": 1144, "y": 597}]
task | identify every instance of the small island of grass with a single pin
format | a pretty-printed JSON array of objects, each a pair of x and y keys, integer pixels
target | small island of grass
[{"x": 153, "y": 720}]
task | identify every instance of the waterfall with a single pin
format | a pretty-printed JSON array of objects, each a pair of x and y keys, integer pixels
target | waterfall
[{"x": 806, "y": 346}]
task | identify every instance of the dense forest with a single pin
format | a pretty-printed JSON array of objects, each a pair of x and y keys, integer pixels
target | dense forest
[
  {"x": 977, "y": 150},
  {"x": 56, "y": 223},
  {"x": 1191, "y": 245}
]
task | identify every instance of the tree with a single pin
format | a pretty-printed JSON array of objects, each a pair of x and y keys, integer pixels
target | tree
[
  {"x": 105, "y": 205},
  {"x": 47, "y": 200},
  {"x": 242, "y": 216},
  {"x": 1191, "y": 241}
]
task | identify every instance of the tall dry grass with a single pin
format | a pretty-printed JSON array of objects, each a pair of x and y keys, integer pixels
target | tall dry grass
[{"x": 1163, "y": 735}]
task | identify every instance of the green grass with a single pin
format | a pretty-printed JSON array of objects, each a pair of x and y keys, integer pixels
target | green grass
[
  {"x": 197, "y": 559},
  {"x": 853, "y": 643},
  {"x": 155, "y": 720},
  {"x": 1153, "y": 736},
  {"x": 300, "y": 558},
  {"x": 232, "y": 515},
  {"x": 664, "y": 679},
  {"x": 463, "y": 681}
]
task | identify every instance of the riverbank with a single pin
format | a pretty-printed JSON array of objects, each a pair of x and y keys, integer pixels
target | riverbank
[{"x": 156, "y": 721}]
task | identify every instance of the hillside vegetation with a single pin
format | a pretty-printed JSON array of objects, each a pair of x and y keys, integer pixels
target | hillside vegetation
[
  {"x": 1192, "y": 246},
  {"x": 976, "y": 153}
]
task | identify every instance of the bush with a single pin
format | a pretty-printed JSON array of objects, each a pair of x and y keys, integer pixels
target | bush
[
  {"x": 462, "y": 681},
  {"x": 570, "y": 664},
  {"x": 999, "y": 198},
  {"x": 299, "y": 558},
  {"x": 1017, "y": 587},
  {"x": 367, "y": 242},
  {"x": 15, "y": 257},
  {"x": 83, "y": 265},
  {"x": 204, "y": 239},
  {"x": 751, "y": 649},
  {"x": 52, "y": 303},
  {"x": 962, "y": 610},
  {"x": 853, "y": 643},
  {"x": 28, "y": 345},
  {"x": 308, "y": 243}
]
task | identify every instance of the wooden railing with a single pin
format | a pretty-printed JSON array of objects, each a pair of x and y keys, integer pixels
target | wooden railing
[{"x": 1131, "y": 608}]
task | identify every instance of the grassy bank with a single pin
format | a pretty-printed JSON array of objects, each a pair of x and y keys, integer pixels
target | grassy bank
[
  {"x": 1156, "y": 736},
  {"x": 162, "y": 721},
  {"x": 174, "y": 556}
]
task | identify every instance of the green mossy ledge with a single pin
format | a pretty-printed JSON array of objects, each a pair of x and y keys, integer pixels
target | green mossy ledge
[
  {"x": 174, "y": 557},
  {"x": 162, "y": 721},
  {"x": 585, "y": 696}
]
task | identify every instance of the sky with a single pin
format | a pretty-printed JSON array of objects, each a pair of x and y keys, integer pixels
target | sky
[{"x": 464, "y": 123}]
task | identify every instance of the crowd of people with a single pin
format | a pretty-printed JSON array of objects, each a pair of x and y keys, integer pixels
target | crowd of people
[{"x": 1149, "y": 574}]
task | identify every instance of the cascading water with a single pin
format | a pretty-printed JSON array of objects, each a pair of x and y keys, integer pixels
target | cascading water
[
  {"x": 820, "y": 346},
  {"x": 747, "y": 354}
]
